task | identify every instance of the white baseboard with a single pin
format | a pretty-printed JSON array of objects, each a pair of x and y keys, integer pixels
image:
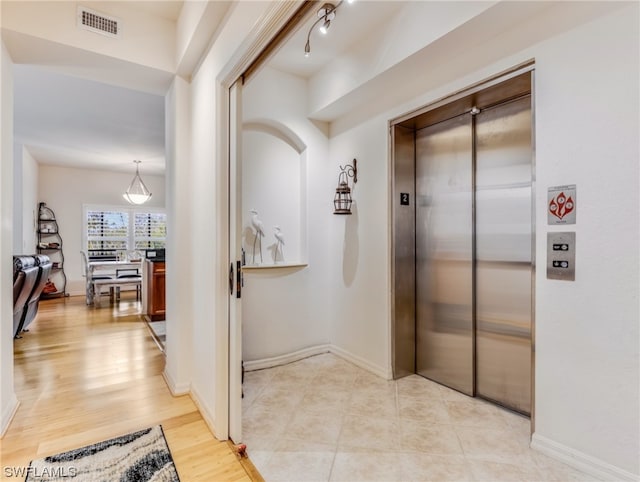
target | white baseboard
[
  {"x": 581, "y": 461},
  {"x": 286, "y": 358},
  {"x": 317, "y": 350},
  {"x": 175, "y": 388},
  {"x": 361, "y": 362},
  {"x": 7, "y": 415}
]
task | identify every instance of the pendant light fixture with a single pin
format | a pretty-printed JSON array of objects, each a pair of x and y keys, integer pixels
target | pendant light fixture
[{"x": 137, "y": 193}]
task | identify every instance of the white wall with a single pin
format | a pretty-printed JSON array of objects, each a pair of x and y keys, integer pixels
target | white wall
[
  {"x": 65, "y": 190},
  {"x": 180, "y": 260},
  {"x": 285, "y": 310},
  {"x": 587, "y": 133},
  {"x": 208, "y": 219},
  {"x": 17, "y": 198},
  {"x": 25, "y": 201},
  {"x": 8, "y": 401},
  {"x": 587, "y": 334},
  {"x": 271, "y": 184},
  {"x": 30, "y": 174},
  {"x": 360, "y": 250}
]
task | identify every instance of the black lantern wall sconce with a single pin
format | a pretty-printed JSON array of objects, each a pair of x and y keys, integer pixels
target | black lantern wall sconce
[{"x": 342, "y": 200}]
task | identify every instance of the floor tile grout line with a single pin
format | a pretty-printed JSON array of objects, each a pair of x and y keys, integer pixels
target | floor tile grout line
[
  {"x": 465, "y": 456},
  {"x": 342, "y": 423}
]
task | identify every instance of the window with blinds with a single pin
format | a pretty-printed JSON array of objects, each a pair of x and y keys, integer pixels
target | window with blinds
[
  {"x": 107, "y": 229},
  {"x": 150, "y": 230},
  {"x": 124, "y": 228}
]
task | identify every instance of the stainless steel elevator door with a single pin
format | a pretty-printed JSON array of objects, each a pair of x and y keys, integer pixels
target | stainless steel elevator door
[
  {"x": 444, "y": 249},
  {"x": 503, "y": 254}
]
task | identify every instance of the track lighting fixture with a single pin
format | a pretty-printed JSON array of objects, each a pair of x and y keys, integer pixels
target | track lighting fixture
[{"x": 326, "y": 14}]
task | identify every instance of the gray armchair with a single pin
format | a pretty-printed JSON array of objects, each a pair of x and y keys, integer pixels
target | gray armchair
[{"x": 24, "y": 281}]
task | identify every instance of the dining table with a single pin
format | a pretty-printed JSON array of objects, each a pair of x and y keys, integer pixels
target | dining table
[
  {"x": 99, "y": 267},
  {"x": 113, "y": 265}
]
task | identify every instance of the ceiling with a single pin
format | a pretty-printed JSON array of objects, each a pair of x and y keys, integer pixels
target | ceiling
[
  {"x": 166, "y": 9},
  {"x": 73, "y": 122},
  {"x": 65, "y": 118}
]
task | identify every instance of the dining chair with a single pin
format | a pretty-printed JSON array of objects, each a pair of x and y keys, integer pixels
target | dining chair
[
  {"x": 129, "y": 275},
  {"x": 91, "y": 280}
]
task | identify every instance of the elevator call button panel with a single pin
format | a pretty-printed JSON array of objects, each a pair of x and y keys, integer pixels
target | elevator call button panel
[{"x": 561, "y": 256}]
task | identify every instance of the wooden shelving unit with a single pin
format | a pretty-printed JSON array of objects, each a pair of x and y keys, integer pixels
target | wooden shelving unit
[{"x": 50, "y": 244}]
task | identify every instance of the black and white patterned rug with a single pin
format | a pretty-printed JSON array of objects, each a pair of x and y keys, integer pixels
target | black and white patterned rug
[{"x": 136, "y": 457}]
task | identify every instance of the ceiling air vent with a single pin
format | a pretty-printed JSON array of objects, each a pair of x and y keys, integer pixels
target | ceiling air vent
[{"x": 98, "y": 22}]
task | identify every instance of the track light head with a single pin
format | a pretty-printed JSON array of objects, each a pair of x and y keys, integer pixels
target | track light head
[
  {"x": 307, "y": 49},
  {"x": 325, "y": 27}
]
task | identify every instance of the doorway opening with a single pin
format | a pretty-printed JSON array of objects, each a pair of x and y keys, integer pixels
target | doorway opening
[{"x": 463, "y": 250}]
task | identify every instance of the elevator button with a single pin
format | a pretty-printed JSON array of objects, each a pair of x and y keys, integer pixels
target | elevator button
[{"x": 561, "y": 255}]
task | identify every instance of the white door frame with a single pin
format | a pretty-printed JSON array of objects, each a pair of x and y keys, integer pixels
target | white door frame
[
  {"x": 235, "y": 257},
  {"x": 229, "y": 348}
]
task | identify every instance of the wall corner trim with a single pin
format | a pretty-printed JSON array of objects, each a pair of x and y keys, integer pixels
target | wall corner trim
[
  {"x": 362, "y": 363},
  {"x": 206, "y": 414},
  {"x": 581, "y": 461},
  {"x": 175, "y": 388},
  {"x": 7, "y": 415}
]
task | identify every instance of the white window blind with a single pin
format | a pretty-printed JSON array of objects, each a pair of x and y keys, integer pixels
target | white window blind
[
  {"x": 150, "y": 230},
  {"x": 107, "y": 229},
  {"x": 124, "y": 228}
]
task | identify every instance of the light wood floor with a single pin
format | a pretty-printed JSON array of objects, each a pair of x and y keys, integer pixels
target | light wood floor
[{"x": 85, "y": 374}]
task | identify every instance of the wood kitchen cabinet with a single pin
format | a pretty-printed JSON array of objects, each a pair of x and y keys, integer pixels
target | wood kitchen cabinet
[{"x": 155, "y": 290}]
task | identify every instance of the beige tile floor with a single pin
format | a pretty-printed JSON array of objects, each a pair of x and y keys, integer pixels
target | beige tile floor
[{"x": 324, "y": 419}]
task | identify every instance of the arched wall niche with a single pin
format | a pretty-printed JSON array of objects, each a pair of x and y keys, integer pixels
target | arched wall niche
[
  {"x": 274, "y": 166},
  {"x": 276, "y": 129}
]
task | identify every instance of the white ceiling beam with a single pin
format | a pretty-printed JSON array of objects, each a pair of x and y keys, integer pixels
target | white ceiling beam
[{"x": 196, "y": 27}]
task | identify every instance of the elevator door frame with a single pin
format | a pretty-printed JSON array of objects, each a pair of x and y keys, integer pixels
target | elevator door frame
[{"x": 507, "y": 85}]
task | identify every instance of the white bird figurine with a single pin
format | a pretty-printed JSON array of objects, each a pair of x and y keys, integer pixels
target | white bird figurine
[
  {"x": 259, "y": 227},
  {"x": 279, "y": 242}
]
